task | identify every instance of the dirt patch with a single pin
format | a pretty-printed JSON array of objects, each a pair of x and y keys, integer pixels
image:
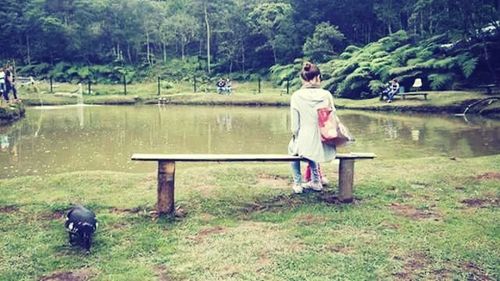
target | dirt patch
[
  {"x": 414, "y": 213},
  {"x": 310, "y": 220},
  {"x": 273, "y": 181},
  {"x": 481, "y": 203},
  {"x": 204, "y": 233},
  {"x": 278, "y": 202},
  {"x": 413, "y": 265},
  {"x": 55, "y": 215},
  {"x": 443, "y": 274},
  {"x": 263, "y": 261},
  {"x": 162, "y": 273},
  {"x": 9, "y": 209},
  {"x": 118, "y": 225},
  {"x": 388, "y": 225},
  {"x": 489, "y": 176},
  {"x": 345, "y": 250},
  {"x": 474, "y": 272},
  {"x": 134, "y": 210},
  {"x": 78, "y": 275},
  {"x": 281, "y": 202},
  {"x": 331, "y": 197}
]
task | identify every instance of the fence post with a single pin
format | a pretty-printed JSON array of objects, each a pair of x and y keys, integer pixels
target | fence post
[
  {"x": 159, "y": 81},
  {"x": 258, "y": 81},
  {"x": 50, "y": 79},
  {"x": 124, "y": 84},
  {"x": 287, "y": 86},
  {"x": 90, "y": 85},
  {"x": 194, "y": 83}
]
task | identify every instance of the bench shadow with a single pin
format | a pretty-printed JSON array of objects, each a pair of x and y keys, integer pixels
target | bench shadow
[{"x": 287, "y": 202}]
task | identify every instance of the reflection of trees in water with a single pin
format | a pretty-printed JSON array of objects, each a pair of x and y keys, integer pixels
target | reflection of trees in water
[
  {"x": 111, "y": 134},
  {"x": 4, "y": 143},
  {"x": 9, "y": 146},
  {"x": 390, "y": 129},
  {"x": 225, "y": 121}
]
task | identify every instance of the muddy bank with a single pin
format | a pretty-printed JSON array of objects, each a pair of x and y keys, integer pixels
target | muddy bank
[{"x": 11, "y": 112}]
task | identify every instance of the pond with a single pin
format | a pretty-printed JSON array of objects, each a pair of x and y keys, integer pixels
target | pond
[{"x": 76, "y": 138}]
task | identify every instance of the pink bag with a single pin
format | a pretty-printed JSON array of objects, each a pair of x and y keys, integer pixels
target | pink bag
[{"x": 333, "y": 132}]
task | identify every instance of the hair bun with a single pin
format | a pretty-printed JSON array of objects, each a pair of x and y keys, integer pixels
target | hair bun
[{"x": 307, "y": 66}]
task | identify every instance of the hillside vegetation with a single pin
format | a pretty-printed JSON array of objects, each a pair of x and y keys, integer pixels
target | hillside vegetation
[{"x": 363, "y": 72}]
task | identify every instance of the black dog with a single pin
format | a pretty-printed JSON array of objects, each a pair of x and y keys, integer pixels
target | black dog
[{"x": 81, "y": 225}]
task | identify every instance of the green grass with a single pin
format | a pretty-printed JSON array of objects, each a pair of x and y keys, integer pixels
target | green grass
[{"x": 418, "y": 219}]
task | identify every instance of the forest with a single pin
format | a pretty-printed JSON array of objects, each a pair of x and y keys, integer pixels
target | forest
[{"x": 105, "y": 39}]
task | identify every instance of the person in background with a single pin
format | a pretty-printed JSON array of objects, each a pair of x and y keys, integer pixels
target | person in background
[
  {"x": 228, "y": 88},
  {"x": 221, "y": 84},
  {"x": 306, "y": 138},
  {"x": 10, "y": 83},
  {"x": 393, "y": 91},
  {"x": 2, "y": 85}
]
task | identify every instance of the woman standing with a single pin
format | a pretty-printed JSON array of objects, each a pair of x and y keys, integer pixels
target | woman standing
[{"x": 306, "y": 138}]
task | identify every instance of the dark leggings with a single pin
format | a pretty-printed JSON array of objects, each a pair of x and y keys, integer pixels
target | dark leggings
[{"x": 8, "y": 88}]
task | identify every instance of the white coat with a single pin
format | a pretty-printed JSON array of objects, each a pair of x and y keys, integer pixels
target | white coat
[{"x": 306, "y": 139}]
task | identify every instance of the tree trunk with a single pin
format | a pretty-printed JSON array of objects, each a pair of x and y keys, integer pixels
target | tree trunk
[
  {"x": 274, "y": 54},
  {"x": 182, "y": 50},
  {"x": 488, "y": 61},
  {"x": 129, "y": 55},
  {"x": 421, "y": 23},
  {"x": 147, "y": 47},
  {"x": 164, "y": 52},
  {"x": 28, "y": 49},
  {"x": 243, "y": 57},
  {"x": 208, "y": 39}
]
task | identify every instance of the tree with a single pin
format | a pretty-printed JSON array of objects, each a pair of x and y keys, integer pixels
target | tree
[
  {"x": 186, "y": 28},
  {"x": 326, "y": 41},
  {"x": 272, "y": 20}
]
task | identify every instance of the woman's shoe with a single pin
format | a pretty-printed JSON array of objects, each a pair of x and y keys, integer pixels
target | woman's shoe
[
  {"x": 316, "y": 186},
  {"x": 297, "y": 188}
]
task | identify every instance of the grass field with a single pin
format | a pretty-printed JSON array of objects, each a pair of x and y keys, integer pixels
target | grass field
[{"x": 413, "y": 219}]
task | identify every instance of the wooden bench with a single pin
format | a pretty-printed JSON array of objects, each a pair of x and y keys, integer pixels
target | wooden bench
[
  {"x": 489, "y": 88},
  {"x": 404, "y": 95},
  {"x": 166, "y": 171}
]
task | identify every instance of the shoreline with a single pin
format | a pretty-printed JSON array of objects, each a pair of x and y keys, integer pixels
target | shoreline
[
  {"x": 451, "y": 102},
  {"x": 11, "y": 113}
]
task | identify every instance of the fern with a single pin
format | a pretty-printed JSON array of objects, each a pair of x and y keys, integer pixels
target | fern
[
  {"x": 440, "y": 81},
  {"x": 401, "y": 70},
  {"x": 445, "y": 63},
  {"x": 380, "y": 54},
  {"x": 351, "y": 49},
  {"x": 467, "y": 64},
  {"x": 376, "y": 85}
]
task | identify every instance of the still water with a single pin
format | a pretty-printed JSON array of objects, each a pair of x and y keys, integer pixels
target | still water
[{"x": 76, "y": 138}]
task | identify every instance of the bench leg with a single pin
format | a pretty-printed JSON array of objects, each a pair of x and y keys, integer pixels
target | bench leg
[
  {"x": 166, "y": 184},
  {"x": 346, "y": 177}
]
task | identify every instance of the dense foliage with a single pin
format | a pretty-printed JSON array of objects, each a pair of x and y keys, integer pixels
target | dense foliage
[
  {"x": 363, "y": 72},
  {"x": 138, "y": 38}
]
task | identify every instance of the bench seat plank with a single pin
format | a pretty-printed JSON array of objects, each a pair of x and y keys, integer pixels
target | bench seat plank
[
  {"x": 414, "y": 94},
  {"x": 236, "y": 157}
]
